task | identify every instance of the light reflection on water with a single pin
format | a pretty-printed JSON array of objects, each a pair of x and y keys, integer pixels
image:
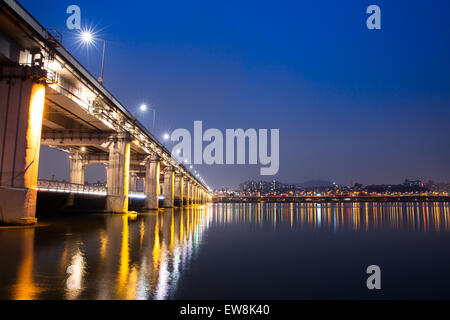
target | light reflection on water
[
  {"x": 145, "y": 256},
  {"x": 414, "y": 216}
]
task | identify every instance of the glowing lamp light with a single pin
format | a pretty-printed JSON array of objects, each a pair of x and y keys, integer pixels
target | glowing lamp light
[
  {"x": 166, "y": 136},
  {"x": 87, "y": 37},
  {"x": 143, "y": 107}
]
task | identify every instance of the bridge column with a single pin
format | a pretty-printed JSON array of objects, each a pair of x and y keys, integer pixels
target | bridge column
[
  {"x": 168, "y": 188},
  {"x": 77, "y": 168},
  {"x": 185, "y": 191},
  {"x": 178, "y": 189},
  {"x": 118, "y": 175},
  {"x": 202, "y": 196},
  {"x": 188, "y": 196},
  {"x": 151, "y": 184},
  {"x": 192, "y": 190},
  {"x": 133, "y": 182},
  {"x": 195, "y": 194},
  {"x": 21, "y": 109}
]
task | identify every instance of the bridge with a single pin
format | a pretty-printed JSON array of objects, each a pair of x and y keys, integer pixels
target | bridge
[{"x": 48, "y": 98}]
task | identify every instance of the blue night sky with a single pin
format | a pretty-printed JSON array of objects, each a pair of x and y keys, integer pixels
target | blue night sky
[{"x": 352, "y": 104}]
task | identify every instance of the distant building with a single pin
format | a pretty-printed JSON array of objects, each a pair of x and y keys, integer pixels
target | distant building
[{"x": 412, "y": 183}]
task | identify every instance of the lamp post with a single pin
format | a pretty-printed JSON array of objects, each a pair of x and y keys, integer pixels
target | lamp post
[
  {"x": 144, "y": 108},
  {"x": 100, "y": 79},
  {"x": 88, "y": 37}
]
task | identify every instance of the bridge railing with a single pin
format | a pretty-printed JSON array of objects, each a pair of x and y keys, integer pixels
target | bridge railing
[
  {"x": 136, "y": 195},
  {"x": 66, "y": 187}
]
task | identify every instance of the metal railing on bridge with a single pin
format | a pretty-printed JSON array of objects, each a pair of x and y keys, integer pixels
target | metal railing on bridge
[{"x": 67, "y": 187}]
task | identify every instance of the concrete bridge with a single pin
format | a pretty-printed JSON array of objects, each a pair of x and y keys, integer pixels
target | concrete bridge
[{"x": 48, "y": 98}]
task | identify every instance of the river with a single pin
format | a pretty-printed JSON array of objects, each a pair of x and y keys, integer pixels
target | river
[{"x": 233, "y": 251}]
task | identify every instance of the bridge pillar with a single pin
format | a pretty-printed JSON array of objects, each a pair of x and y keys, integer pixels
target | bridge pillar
[
  {"x": 194, "y": 194},
  {"x": 133, "y": 182},
  {"x": 118, "y": 175},
  {"x": 178, "y": 189},
  {"x": 77, "y": 168},
  {"x": 168, "y": 188},
  {"x": 152, "y": 172},
  {"x": 21, "y": 109},
  {"x": 185, "y": 191}
]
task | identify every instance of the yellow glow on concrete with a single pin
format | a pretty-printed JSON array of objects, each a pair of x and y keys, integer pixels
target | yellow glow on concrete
[
  {"x": 188, "y": 197},
  {"x": 182, "y": 191},
  {"x": 172, "y": 185},
  {"x": 126, "y": 176},
  {"x": 36, "y": 110},
  {"x": 158, "y": 172}
]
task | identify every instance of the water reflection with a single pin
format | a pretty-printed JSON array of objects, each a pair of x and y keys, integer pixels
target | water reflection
[
  {"x": 419, "y": 217},
  {"x": 144, "y": 256}
]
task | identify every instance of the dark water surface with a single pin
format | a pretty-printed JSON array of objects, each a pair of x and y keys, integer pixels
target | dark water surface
[{"x": 233, "y": 251}]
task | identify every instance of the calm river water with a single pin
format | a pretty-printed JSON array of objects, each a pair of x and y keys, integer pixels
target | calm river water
[{"x": 233, "y": 251}]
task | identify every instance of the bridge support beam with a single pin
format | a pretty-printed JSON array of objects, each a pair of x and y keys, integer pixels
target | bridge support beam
[
  {"x": 77, "y": 168},
  {"x": 190, "y": 193},
  {"x": 133, "y": 182},
  {"x": 185, "y": 191},
  {"x": 178, "y": 188},
  {"x": 118, "y": 175},
  {"x": 194, "y": 194},
  {"x": 193, "y": 198},
  {"x": 21, "y": 109},
  {"x": 151, "y": 184},
  {"x": 168, "y": 188}
]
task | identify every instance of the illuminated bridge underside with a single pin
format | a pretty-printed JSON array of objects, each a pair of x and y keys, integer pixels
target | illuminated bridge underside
[{"x": 48, "y": 98}]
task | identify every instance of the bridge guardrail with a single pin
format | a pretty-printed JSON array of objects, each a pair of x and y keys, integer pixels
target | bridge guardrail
[{"x": 66, "y": 187}]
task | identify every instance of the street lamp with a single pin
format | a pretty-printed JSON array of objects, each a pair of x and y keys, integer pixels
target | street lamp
[
  {"x": 143, "y": 107},
  {"x": 88, "y": 38}
]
